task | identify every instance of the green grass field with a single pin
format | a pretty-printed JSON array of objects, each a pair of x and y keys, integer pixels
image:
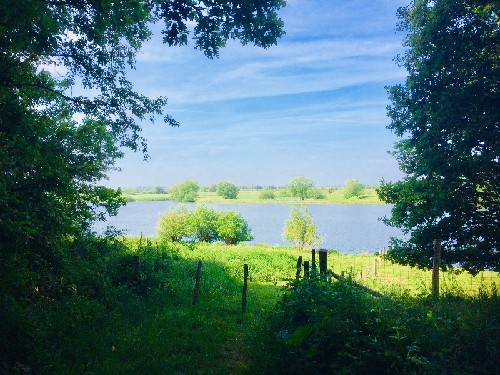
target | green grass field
[
  {"x": 122, "y": 319},
  {"x": 252, "y": 196}
]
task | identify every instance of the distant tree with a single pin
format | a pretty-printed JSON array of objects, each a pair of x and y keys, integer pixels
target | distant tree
[
  {"x": 267, "y": 194},
  {"x": 300, "y": 187},
  {"x": 174, "y": 225},
  {"x": 227, "y": 190},
  {"x": 159, "y": 190},
  {"x": 186, "y": 191},
  {"x": 300, "y": 228},
  {"x": 316, "y": 193},
  {"x": 353, "y": 188},
  {"x": 232, "y": 228},
  {"x": 448, "y": 116}
]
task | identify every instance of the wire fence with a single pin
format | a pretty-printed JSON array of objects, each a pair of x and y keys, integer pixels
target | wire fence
[{"x": 378, "y": 273}]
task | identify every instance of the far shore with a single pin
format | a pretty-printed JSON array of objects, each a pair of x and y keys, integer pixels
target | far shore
[{"x": 252, "y": 196}]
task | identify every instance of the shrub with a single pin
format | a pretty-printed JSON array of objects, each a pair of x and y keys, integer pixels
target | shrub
[
  {"x": 186, "y": 191},
  {"x": 316, "y": 193},
  {"x": 232, "y": 228},
  {"x": 227, "y": 190},
  {"x": 353, "y": 188},
  {"x": 203, "y": 224},
  {"x": 300, "y": 228},
  {"x": 267, "y": 194},
  {"x": 175, "y": 224}
]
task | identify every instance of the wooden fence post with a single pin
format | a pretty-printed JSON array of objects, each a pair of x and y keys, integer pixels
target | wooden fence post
[
  {"x": 244, "y": 294},
  {"x": 306, "y": 269},
  {"x": 299, "y": 267},
  {"x": 323, "y": 261},
  {"x": 436, "y": 262},
  {"x": 197, "y": 283},
  {"x": 313, "y": 255}
]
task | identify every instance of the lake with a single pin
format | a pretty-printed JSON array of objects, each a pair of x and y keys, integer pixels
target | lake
[{"x": 348, "y": 228}]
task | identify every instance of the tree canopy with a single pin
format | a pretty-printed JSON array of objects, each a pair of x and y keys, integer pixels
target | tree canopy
[
  {"x": 300, "y": 187},
  {"x": 227, "y": 190},
  {"x": 300, "y": 228},
  {"x": 186, "y": 191},
  {"x": 67, "y": 109},
  {"x": 447, "y": 114}
]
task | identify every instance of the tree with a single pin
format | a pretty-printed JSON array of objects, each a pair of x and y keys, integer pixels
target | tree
[
  {"x": 56, "y": 162},
  {"x": 186, "y": 191},
  {"x": 300, "y": 228},
  {"x": 300, "y": 187},
  {"x": 232, "y": 228},
  {"x": 174, "y": 225},
  {"x": 448, "y": 116},
  {"x": 353, "y": 188},
  {"x": 228, "y": 190},
  {"x": 66, "y": 60},
  {"x": 203, "y": 224}
]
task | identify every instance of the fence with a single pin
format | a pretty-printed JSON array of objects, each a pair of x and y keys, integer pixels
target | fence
[{"x": 378, "y": 273}]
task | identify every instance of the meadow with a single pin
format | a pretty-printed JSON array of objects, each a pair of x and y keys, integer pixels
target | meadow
[
  {"x": 332, "y": 196},
  {"x": 128, "y": 308}
]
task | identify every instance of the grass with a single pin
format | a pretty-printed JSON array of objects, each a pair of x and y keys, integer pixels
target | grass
[
  {"x": 114, "y": 320},
  {"x": 252, "y": 196}
]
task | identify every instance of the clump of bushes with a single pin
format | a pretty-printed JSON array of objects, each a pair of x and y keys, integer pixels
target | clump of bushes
[
  {"x": 203, "y": 224},
  {"x": 337, "y": 328},
  {"x": 267, "y": 194}
]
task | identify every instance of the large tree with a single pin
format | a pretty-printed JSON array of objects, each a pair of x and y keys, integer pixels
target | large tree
[
  {"x": 447, "y": 114},
  {"x": 67, "y": 109}
]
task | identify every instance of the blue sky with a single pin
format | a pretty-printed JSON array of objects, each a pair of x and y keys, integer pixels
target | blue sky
[{"x": 314, "y": 105}]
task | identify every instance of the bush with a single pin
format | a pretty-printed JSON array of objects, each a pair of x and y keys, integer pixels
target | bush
[
  {"x": 300, "y": 228},
  {"x": 203, "y": 224},
  {"x": 316, "y": 193},
  {"x": 267, "y": 194},
  {"x": 353, "y": 188},
  {"x": 175, "y": 224},
  {"x": 232, "y": 228},
  {"x": 227, "y": 190},
  {"x": 321, "y": 328},
  {"x": 186, "y": 191}
]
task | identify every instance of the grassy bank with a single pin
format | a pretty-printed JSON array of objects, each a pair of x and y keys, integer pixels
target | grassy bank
[
  {"x": 118, "y": 315},
  {"x": 253, "y": 196}
]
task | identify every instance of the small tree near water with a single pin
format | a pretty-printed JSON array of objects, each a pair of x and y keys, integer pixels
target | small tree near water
[{"x": 300, "y": 228}]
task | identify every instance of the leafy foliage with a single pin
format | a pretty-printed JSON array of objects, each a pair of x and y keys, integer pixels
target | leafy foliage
[
  {"x": 232, "y": 228},
  {"x": 67, "y": 110},
  {"x": 228, "y": 190},
  {"x": 300, "y": 187},
  {"x": 353, "y": 188},
  {"x": 175, "y": 224},
  {"x": 186, "y": 191},
  {"x": 267, "y": 194},
  {"x": 300, "y": 228},
  {"x": 448, "y": 116},
  {"x": 204, "y": 224},
  {"x": 326, "y": 328}
]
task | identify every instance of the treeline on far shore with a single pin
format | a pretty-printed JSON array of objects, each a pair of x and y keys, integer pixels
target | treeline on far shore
[{"x": 299, "y": 190}]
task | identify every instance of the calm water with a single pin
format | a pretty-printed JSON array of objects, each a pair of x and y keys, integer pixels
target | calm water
[{"x": 349, "y": 228}]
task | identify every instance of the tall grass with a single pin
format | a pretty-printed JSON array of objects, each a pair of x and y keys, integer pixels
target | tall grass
[{"x": 111, "y": 317}]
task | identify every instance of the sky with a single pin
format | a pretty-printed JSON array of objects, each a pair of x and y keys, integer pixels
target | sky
[{"x": 314, "y": 105}]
